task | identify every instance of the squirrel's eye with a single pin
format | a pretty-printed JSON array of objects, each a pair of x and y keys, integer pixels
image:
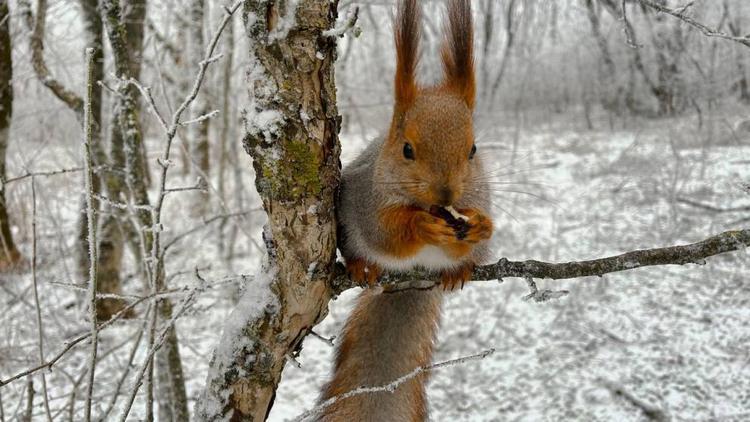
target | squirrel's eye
[
  {"x": 408, "y": 151},
  {"x": 473, "y": 151}
]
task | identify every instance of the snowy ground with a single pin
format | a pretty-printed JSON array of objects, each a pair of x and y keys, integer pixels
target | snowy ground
[{"x": 676, "y": 338}]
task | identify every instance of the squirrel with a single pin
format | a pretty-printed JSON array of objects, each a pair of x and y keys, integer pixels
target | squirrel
[{"x": 396, "y": 212}]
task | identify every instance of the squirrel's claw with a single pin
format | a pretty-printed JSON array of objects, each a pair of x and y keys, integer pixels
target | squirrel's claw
[
  {"x": 362, "y": 272},
  {"x": 456, "y": 277},
  {"x": 434, "y": 230}
]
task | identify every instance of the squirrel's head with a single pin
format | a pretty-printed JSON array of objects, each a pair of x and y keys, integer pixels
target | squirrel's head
[{"x": 428, "y": 155}]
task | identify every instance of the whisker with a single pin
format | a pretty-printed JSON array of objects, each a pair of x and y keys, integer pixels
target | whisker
[
  {"x": 506, "y": 212},
  {"x": 512, "y": 173},
  {"x": 537, "y": 196},
  {"x": 504, "y": 182}
]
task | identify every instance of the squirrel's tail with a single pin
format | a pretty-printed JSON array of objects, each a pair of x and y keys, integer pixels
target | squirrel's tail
[{"x": 387, "y": 336}]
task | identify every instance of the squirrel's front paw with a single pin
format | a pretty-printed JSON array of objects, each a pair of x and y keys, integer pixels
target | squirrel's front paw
[
  {"x": 456, "y": 277},
  {"x": 479, "y": 226},
  {"x": 362, "y": 272},
  {"x": 434, "y": 230}
]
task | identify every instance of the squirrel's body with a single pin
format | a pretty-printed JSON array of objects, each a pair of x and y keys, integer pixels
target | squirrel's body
[{"x": 418, "y": 197}]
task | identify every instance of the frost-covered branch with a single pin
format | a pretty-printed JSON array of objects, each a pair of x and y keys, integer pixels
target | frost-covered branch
[
  {"x": 156, "y": 344},
  {"x": 37, "y": 26},
  {"x": 706, "y": 30},
  {"x": 350, "y": 22},
  {"x": 393, "y": 385},
  {"x": 39, "y": 326},
  {"x": 91, "y": 221},
  {"x": 41, "y": 174},
  {"x": 694, "y": 253}
]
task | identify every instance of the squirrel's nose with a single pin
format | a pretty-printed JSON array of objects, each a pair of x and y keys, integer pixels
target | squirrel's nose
[{"x": 445, "y": 196}]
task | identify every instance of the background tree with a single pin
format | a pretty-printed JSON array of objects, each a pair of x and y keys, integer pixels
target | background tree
[{"x": 9, "y": 254}]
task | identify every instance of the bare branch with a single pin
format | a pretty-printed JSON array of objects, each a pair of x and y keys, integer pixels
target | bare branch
[
  {"x": 158, "y": 341},
  {"x": 650, "y": 411},
  {"x": 37, "y": 26},
  {"x": 200, "y": 118},
  {"x": 712, "y": 208},
  {"x": 694, "y": 253},
  {"x": 393, "y": 385},
  {"x": 40, "y": 330},
  {"x": 707, "y": 31},
  {"x": 41, "y": 174},
  {"x": 93, "y": 258}
]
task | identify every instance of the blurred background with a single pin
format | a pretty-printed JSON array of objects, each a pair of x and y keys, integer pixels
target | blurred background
[{"x": 610, "y": 134}]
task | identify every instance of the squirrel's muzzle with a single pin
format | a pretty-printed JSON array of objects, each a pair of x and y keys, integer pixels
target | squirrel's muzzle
[{"x": 444, "y": 196}]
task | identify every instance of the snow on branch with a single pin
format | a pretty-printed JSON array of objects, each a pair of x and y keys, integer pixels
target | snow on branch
[
  {"x": 694, "y": 253},
  {"x": 352, "y": 15},
  {"x": 680, "y": 14}
]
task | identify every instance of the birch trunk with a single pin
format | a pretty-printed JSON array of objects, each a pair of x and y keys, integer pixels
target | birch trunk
[
  {"x": 292, "y": 127},
  {"x": 9, "y": 254}
]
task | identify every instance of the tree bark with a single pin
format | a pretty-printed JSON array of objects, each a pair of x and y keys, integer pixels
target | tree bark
[
  {"x": 9, "y": 255},
  {"x": 116, "y": 229},
  {"x": 296, "y": 164}
]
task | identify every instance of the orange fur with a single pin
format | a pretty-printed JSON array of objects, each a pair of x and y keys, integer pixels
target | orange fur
[
  {"x": 450, "y": 280},
  {"x": 390, "y": 334},
  {"x": 363, "y": 272}
]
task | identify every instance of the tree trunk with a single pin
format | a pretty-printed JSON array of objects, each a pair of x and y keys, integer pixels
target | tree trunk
[
  {"x": 9, "y": 255},
  {"x": 92, "y": 25},
  {"x": 296, "y": 164},
  {"x": 116, "y": 230},
  {"x": 735, "y": 29},
  {"x": 198, "y": 132},
  {"x": 129, "y": 127},
  {"x": 610, "y": 92},
  {"x": 511, "y": 25}
]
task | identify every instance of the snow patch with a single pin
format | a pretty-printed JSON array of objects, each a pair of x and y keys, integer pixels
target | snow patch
[{"x": 285, "y": 22}]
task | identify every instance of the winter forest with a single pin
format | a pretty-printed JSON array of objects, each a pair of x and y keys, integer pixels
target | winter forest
[{"x": 168, "y": 225}]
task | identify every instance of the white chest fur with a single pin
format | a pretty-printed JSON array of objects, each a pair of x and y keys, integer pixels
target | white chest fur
[{"x": 429, "y": 257}]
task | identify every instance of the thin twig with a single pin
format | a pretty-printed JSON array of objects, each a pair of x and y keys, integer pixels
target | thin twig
[
  {"x": 40, "y": 174},
  {"x": 393, "y": 385},
  {"x": 707, "y": 31},
  {"x": 40, "y": 331},
  {"x": 158, "y": 341},
  {"x": 712, "y": 208},
  {"x": 650, "y": 411},
  {"x": 72, "y": 343},
  {"x": 93, "y": 255},
  {"x": 200, "y": 118},
  {"x": 121, "y": 380}
]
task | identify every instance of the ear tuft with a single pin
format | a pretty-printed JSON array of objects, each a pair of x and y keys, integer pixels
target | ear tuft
[
  {"x": 458, "y": 51},
  {"x": 407, "y": 35}
]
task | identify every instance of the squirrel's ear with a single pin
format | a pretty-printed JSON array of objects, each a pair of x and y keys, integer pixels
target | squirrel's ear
[
  {"x": 458, "y": 51},
  {"x": 407, "y": 52}
]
